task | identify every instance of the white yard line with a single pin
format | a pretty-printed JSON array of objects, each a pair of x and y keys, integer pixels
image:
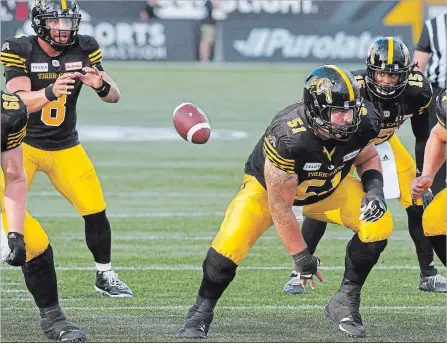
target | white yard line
[
  {"x": 199, "y": 267},
  {"x": 173, "y": 164},
  {"x": 176, "y": 194},
  {"x": 125, "y": 215},
  {"x": 237, "y": 308},
  {"x": 134, "y": 215}
]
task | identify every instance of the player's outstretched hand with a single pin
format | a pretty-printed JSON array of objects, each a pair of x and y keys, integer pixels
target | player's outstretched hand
[
  {"x": 64, "y": 84},
  {"x": 307, "y": 266},
  {"x": 90, "y": 77}
]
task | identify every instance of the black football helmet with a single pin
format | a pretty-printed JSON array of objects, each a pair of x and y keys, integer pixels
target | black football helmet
[
  {"x": 390, "y": 55},
  {"x": 67, "y": 10},
  {"x": 331, "y": 87}
]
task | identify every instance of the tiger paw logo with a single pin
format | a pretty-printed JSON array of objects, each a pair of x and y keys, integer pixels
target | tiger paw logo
[{"x": 320, "y": 86}]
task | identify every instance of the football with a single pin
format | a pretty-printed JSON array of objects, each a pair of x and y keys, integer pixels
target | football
[{"x": 191, "y": 123}]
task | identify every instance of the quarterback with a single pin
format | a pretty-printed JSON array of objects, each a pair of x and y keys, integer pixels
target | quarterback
[
  {"x": 304, "y": 159},
  {"x": 29, "y": 248},
  {"x": 48, "y": 70},
  {"x": 399, "y": 94}
]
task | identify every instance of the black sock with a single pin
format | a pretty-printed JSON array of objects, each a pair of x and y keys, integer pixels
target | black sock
[
  {"x": 40, "y": 279},
  {"x": 361, "y": 258},
  {"x": 313, "y": 231},
  {"x": 424, "y": 249},
  {"x": 218, "y": 272},
  {"x": 439, "y": 243},
  {"x": 98, "y": 236}
]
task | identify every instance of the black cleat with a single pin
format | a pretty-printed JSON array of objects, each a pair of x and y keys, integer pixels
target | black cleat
[
  {"x": 344, "y": 308},
  {"x": 197, "y": 322},
  {"x": 56, "y": 326},
  {"x": 107, "y": 283}
]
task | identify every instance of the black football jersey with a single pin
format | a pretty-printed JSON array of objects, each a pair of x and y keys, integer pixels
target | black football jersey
[
  {"x": 414, "y": 103},
  {"x": 291, "y": 145},
  {"x": 53, "y": 127},
  {"x": 14, "y": 119},
  {"x": 441, "y": 107}
]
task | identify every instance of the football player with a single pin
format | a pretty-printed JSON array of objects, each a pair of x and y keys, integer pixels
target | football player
[
  {"x": 434, "y": 219},
  {"x": 398, "y": 94},
  {"x": 48, "y": 70},
  {"x": 29, "y": 248},
  {"x": 304, "y": 159}
]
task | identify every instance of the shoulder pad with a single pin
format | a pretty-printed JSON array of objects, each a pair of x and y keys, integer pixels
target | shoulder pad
[
  {"x": 419, "y": 89},
  {"x": 359, "y": 75},
  {"x": 371, "y": 121},
  {"x": 88, "y": 43},
  {"x": 16, "y": 51}
]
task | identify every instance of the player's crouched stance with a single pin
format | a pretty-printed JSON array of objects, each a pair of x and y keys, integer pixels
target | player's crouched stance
[
  {"x": 304, "y": 159},
  {"x": 434, "y": 218},
  {"x": 29, "y": 249}
]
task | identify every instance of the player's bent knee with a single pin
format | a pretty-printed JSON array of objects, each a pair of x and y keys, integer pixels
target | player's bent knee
[
  {"x": 228, "y": 249},
  {"x": 377, "y": 247},
  {"x": 377, "y": 231},
  {"x": 36, "y": 240},
  {"x": 217, "y": 268},
  {"x": 433, "y": 226}
]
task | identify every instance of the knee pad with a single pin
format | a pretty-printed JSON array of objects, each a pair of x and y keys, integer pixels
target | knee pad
[
  {"x": 218, "y": 269},
  {"x": 44, "y": 259},
  {"x": 362, "y": 252},
  {"x": 378, "y": 246},
  {"x": 376, "y": 231}
]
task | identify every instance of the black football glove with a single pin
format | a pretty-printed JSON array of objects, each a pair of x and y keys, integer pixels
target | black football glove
[
  {"x": 305, "y": 264},
  {"x": 373, "y": 206},
  {"x": 17, "y": 256}
]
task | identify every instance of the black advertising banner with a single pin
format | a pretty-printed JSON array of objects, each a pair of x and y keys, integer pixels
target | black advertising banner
[{"x": 120, "y": 33}]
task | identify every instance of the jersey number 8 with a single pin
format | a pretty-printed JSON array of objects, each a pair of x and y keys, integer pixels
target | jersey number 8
[{"x": 53, "y": 114}]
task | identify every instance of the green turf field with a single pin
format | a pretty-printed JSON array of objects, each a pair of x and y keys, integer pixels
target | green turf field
[{"x": 165, "y": 200}]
